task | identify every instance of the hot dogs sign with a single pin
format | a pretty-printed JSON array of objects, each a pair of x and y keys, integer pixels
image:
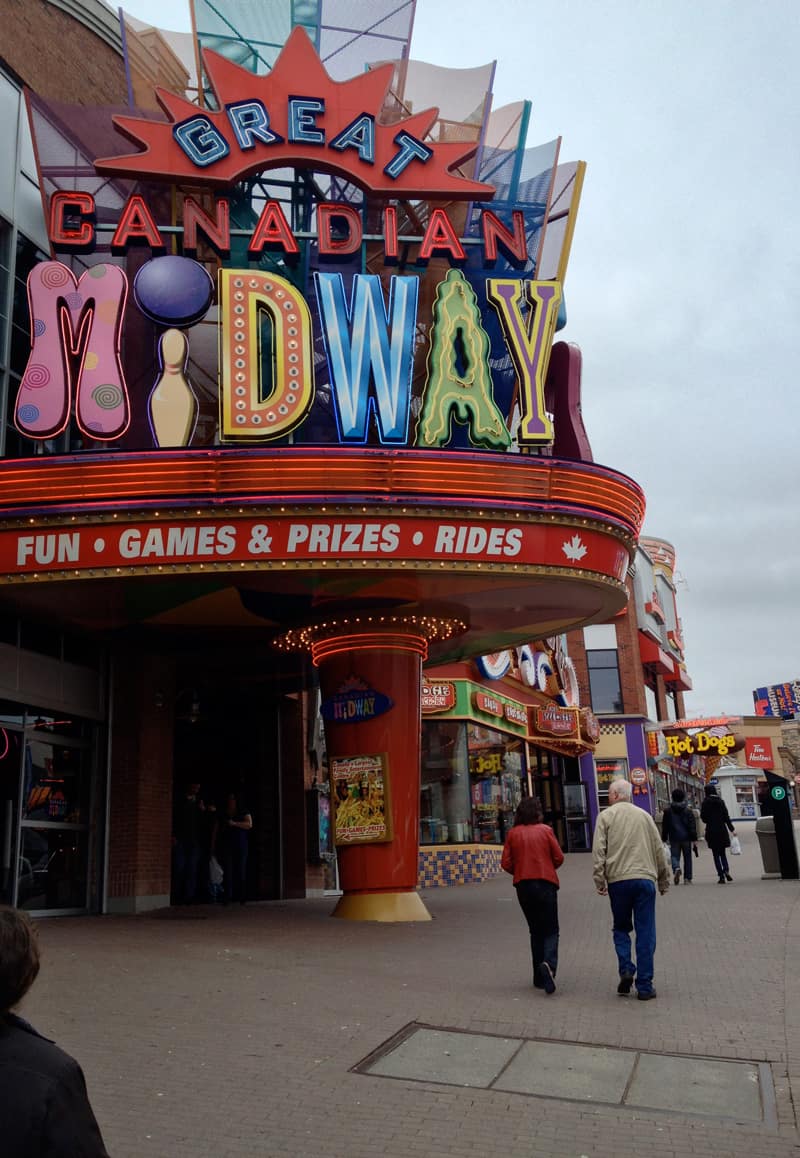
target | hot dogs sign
[{"x": 390, "y": 372}]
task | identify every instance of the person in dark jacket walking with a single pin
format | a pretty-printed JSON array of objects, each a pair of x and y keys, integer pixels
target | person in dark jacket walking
[
  {"x": 714, "y": 815},
  {"x": 679, "y": 830},
  {"x": 532, "y": 854},
  {"x": 44, "y": 1107}
]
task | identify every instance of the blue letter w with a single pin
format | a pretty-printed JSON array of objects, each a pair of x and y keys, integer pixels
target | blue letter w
[{"x": 366, "y": 338}]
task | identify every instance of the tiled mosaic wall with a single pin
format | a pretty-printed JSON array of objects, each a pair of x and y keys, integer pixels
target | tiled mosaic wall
[{"x": 457, "y": 864}]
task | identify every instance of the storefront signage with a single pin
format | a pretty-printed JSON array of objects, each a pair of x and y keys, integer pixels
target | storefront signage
[
  {"x": 485, "y": 764},
  {"x": 700, "y": 744},
  {"x": 704, "y": 722},
  {"x": 516, "y": 713},
  {"x": 355, "y": 702},
  {"x": 438, "y": 697},
  {"x": 544, "y": 666},
  {"x": 654, "y": 744},
  {"x": 608, "y": 770},
  {"x": 111, "y": 546},
  {"x": 494, "y": 665},
  {"x": 366, "y": 339},
  {"x": 782, "y": 700},
  {"x": 370, "y": 338},
  {"x": 296, "y": 115},
  {"x": 488, "y": 704},
  {"x": 360, "y": 795},
  {"x": 758, "y": 752},
  {"x": 556, "y": 721},
  {"x": 590, "y": 725},
  {"x": 638, "y": 776}
]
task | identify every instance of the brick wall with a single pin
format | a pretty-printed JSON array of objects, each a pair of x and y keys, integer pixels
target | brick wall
[
  {"x": 631, "y": 676},
  {"x": 58, "y": 57},
  {"x": 140, "y": 817},
  {"x": 630, "y": 661}
]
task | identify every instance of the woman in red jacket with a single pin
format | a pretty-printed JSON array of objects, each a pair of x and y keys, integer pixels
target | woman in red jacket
[{"x": 532, "y": 854}]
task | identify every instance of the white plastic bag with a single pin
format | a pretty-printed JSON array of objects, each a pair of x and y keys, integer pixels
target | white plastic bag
[
  {"x": 736, "y": 847},
  {"x": 215, "y": 873}
]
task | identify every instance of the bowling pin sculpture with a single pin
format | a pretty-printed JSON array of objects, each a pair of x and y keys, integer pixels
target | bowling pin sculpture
[
  {"x": 172, "y": 406},
  {"x": 174, "y": 292}
]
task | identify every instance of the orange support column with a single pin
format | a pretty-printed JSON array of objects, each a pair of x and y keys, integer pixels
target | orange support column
[{"x": 384, "y": 655}]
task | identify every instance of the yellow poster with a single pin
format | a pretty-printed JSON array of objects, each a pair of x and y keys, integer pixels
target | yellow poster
[{"x": 360, "y": 795}]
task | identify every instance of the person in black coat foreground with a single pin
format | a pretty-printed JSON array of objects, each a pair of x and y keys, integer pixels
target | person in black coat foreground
[
  {"x": 44, "y": 1107},
  {"x": 714, "y": 815}
]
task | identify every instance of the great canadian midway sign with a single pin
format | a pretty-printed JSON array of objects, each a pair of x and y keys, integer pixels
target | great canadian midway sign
[{"x": 295, "y": 116}]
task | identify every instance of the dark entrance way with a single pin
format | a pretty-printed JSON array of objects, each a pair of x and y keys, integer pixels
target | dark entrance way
[{"x": 245, "y": 738}]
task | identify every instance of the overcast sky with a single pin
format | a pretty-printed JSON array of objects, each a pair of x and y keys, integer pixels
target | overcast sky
[{"x": 684, "y": 283}]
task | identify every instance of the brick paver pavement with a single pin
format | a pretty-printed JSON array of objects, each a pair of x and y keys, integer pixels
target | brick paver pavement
[{"x": 232, "y": 1032}]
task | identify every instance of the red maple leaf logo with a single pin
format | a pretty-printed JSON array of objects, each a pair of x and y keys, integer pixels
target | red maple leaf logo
[{"x": 298, "y": 69}]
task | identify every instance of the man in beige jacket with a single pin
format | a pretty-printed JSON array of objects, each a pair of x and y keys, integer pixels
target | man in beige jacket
[{"x": 629, "y": 861}]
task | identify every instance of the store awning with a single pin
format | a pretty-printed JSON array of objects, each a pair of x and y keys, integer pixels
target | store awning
[
  {"x": 655, "y": 656},
  {"x": 680, "y": 679}
]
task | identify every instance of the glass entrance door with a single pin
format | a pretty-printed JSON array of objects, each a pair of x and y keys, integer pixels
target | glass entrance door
[
  {"x": 55, "y": 778},
  {"x": 10, "y": 764}
]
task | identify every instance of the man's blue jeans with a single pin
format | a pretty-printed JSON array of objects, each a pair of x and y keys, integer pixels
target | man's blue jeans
[{"x": 633, "y": 905}]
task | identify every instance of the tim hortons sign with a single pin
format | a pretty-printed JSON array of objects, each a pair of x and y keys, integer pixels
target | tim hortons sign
[{"x": 370, "y": 338}]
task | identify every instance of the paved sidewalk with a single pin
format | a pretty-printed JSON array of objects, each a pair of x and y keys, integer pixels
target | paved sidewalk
[{"x": 233, "y": 1032}]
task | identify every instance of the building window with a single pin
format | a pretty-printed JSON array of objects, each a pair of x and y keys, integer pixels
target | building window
[
  {"x": 472, "y": 780},
  {"x": 604, "y": 685},
  {"x": 608, "y": 770},
  {"x": 445, "y": 799},
  {"x": 651, "y": 702}
]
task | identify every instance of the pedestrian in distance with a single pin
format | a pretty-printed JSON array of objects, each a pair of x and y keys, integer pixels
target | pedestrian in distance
[
  {"x": 230, "y": 846},
  {"x": 714, "y": 815},
  {"x": 629, "y": 862},
  {"x": 679, "y": 830},
  {"x": 532, "y": 854},
  {"x": 188, "y": 815},
  {"x": 44, "y": 1107}
]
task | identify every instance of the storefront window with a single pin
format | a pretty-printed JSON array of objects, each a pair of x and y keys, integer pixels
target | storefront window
[
  {"x": 496, "y": 768},
  {"x": 608, "y": 770},
  {"x": 471, "y": 782},
  {"x": 445, "y": 800},
  {"x": 651, "y": 702},
  {"x": 57, "y": 782},
  {"x": 576, "y": 817},
  {"x": 53, "y": 869},
  {"x": 663, "y": 789},
  {"x": 746, "y": 796}
]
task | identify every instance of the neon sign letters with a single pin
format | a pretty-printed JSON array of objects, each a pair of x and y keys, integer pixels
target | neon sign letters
[
  {"x": 699, "y": 744},
  {"x": 375, "y": 343},
  {"x": 265, "y": 123},
  {"x": 75, "y": 333}
]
